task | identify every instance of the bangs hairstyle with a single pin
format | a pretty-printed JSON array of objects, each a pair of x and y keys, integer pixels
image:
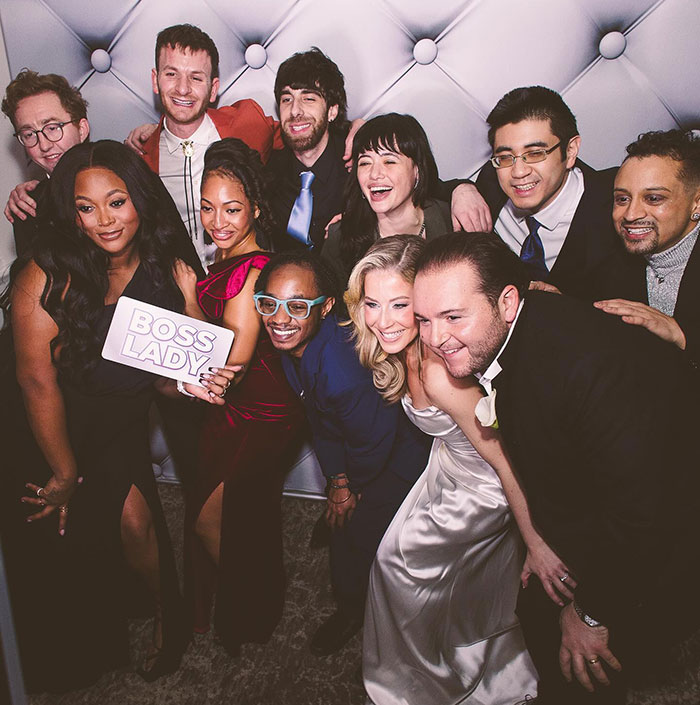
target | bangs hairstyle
[
  {"x": 683, "y": 147},
  {"x": 534, "y": 103},
  {"x": 401, "y": 134},
  {"x": 234, "y": 159},
  {"x": 398, "y": 253},
  {"x": 29, "y": 83},
  {"x": 77, "y": 269},
  {"x": 325, "y": 278},
  {"x": 313, "y": 70},
  {"x": 496, "y": 264},
  {"x": 188, "y": 38}
]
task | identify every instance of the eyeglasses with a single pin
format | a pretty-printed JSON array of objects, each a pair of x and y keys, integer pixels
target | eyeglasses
[
  {"x": 53, "y": 131},
  {"x": 296, "y": 308},
  {"x": 504, "y": 161}
]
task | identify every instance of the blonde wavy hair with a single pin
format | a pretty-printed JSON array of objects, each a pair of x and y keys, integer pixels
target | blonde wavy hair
[{"x": 399, "y": 253}]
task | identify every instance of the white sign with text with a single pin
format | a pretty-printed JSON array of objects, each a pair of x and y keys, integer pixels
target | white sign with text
[{"x": 163, "y": 342}]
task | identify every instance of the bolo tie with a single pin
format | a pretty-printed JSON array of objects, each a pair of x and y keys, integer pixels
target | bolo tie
[{"x": 188, "y": 183}]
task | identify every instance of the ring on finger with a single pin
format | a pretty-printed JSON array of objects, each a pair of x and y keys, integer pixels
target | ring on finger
[
  {"x": 39, "y": 490},
  {"x": 63, "y": 509},
  {"x": 564, "y": 578},
  {"x": 593, "y": 661}
]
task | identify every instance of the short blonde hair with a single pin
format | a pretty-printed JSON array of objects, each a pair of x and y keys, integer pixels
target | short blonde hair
[{"x": 398, "y": 253}]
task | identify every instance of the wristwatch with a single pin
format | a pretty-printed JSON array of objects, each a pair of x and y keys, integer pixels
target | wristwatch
[{"x": 586, "y": 619}]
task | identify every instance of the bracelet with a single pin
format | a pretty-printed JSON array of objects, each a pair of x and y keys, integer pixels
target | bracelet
[
  {"x": 342, "y": 501},
  {"x": 340, "y": 487},
  {"x": 182, "y": 390},
  {"x": 337, "y": 477},
  {"x": 586, "y": 619}
]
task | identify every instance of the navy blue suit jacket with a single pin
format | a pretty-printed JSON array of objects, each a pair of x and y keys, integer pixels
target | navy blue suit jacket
[{"x": 354, "y": 431}]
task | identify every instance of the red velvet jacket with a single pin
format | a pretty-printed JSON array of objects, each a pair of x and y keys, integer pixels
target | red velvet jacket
[{"x": 244, "y": 119}]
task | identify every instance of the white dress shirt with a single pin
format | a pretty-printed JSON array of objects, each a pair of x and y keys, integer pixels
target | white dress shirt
[
  {"x": 172, "y": 172},
  {"x": 555, "y": 220}
]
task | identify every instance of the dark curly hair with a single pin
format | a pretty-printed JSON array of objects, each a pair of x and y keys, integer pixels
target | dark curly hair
[
  {"x": 314, "y": 70},
  {"x": 396, "y": 133},
  {"x": 76, "y": 268},
  {"x": 681, "y": 146},
  {"x": 235, "y": 159}
]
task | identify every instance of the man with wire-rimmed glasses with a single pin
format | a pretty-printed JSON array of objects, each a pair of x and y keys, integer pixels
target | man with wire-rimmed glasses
[
  {"x": 49, "y": 117},
  {"x": 549, "y": 207}
]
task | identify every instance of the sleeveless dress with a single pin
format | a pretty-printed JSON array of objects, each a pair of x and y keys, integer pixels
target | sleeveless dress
[
  {"x": 440, "y": 624},
  {"x": 72, "y": 594},
  {"x": 249, "y": 445}
]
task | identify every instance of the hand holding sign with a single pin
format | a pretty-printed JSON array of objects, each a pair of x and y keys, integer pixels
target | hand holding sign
[{"x": 168, "y": 344}]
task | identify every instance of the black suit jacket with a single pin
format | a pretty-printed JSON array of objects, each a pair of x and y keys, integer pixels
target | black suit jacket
[
  {"x": 591, "y": 240},
  {"x": 26, "y": 231},
  {"x": 596, "y": 416}
]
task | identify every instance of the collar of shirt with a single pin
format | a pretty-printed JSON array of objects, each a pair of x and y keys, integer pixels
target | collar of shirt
[
  {"x": 561, "y": 210},
  {"x": 203, "y": 136},
  {"x": 661, "y": 263},
  {"x": 494, "y": 369},
  {"x": 323, "y": 166}
]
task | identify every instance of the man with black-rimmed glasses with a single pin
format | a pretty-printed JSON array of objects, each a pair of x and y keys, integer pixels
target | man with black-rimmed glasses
[{"x": 49, "y": 117}]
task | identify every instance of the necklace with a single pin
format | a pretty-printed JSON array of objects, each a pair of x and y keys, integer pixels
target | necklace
[{"x": 421, "y": 232}]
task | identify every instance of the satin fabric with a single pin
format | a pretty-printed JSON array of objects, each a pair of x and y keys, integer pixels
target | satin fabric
[{"x": 440, "y": 624}]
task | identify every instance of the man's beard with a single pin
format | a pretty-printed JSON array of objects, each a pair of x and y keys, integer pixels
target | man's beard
[{"x": 302, "y": 143}]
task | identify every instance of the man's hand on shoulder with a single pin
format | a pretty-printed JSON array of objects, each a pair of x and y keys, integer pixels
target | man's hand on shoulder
[
  {"x": 355, "y": 125},
  {"x": 138, "y": 137},
  {"x": 639, "y": 314},
  {"x": 20, "y": 204},
  {"x": 470, "y": 211}
]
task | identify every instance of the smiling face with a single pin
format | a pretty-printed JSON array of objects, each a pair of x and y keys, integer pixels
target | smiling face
[
  {"x": 37, "y": 111},
  {"x": 652, "y": 207},
  {"x": 388, "y": 309},
  {"x": 532, "y": 187},
  {"x": 227, "y": 214},
  {"x": 105, "y": 211},
  {"x": 184, "y": 83},
  {"x": 304, "y": 118},
  {"x": 456, "y": 320},
  {"x": 292, "y": 335},
  {"x": 387, "y": 179}
]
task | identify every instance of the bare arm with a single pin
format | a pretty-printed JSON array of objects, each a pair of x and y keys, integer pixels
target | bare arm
[
  {"x": 186, "y": 280},
  {"x": 458, "y": 398},
  {"x": 34, "y": 330}
]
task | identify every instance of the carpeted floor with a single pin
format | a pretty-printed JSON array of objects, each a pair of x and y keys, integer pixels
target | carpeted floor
[{"x": 283, "y": 672}]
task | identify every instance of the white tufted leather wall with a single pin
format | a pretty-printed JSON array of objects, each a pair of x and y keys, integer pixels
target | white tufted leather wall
[{"x": 624, "y": 67}]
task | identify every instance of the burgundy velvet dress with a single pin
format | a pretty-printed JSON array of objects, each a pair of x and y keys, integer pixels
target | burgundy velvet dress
[{"x": 249, "y": 445}]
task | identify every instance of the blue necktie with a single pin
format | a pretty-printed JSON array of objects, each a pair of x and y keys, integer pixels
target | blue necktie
[
  {"x": 300, "y": 217},
  {"x": 532, "y": 252}
]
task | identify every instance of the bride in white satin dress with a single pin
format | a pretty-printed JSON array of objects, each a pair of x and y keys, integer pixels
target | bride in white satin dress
[{"x": 440, "y": 625}]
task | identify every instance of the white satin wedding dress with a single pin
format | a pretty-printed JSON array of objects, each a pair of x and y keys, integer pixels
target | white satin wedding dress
[{"x": 440, "y": 625}]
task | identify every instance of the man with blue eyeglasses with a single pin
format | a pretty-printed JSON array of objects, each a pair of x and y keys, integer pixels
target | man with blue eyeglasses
[
  {"x": 549, "y": 207},
  {"x": 368, "y": 450}
]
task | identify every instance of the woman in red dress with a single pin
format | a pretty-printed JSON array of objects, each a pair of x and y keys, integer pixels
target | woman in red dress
[{"x": 233, "y": 521}]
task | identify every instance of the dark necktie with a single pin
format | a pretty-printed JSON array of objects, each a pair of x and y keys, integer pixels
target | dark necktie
[
  {"x": 300, "y": 217},
  {"x": 532, "y": 252}
]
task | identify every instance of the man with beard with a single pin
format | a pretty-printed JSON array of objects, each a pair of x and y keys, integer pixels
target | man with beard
[
  {"x": 656, "y": 211},
  {"x": 186, "y": 78},
  {"x": 599, "y": 420}
]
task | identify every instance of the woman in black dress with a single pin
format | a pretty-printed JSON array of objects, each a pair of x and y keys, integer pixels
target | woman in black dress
[{"x": 114, "y": 230}]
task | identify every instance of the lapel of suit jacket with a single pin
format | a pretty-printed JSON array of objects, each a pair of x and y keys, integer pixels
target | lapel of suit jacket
[{"x": 689, "y": 290}]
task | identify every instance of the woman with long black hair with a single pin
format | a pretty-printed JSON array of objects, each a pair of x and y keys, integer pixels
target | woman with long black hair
[{"x": 113, "y": 231}]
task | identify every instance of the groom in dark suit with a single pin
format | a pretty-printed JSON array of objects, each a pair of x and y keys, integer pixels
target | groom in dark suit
[{"x": 596, "y": 416}]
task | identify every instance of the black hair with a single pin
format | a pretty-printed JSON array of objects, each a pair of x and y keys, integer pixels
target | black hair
[
  {"x": 679, "y": 145},
  {"x": 496, "y": 264},
  {"x": 396, "y": 133},
  {"x": 534, "y": 103},
  {"x": 76, "y": 268},
  {"x": 325, "y": 278},
  {"x": 187, "y": 36},
  {"x": 234, "y": 158},
  {"x": 315, "y": 71}
]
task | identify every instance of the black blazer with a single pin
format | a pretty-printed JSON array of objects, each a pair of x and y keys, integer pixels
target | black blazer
[
  {"x": 26, "y": 231},
  {"x": 591, "y": 239},
  {"x": 596, "y": 416}
]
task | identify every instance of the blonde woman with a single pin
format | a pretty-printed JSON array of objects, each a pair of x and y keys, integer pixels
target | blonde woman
[{"x": 440, "y": 623}]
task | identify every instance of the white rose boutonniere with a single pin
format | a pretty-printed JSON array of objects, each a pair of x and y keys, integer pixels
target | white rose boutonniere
[{"x": 486, "y": 410}]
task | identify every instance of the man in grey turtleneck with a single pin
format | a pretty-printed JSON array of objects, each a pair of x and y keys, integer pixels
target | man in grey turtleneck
[{"x": 656, "y": 211}]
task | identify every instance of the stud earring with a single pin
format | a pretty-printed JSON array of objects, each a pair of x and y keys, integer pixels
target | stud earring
[{"x": 695, "y": 216}]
